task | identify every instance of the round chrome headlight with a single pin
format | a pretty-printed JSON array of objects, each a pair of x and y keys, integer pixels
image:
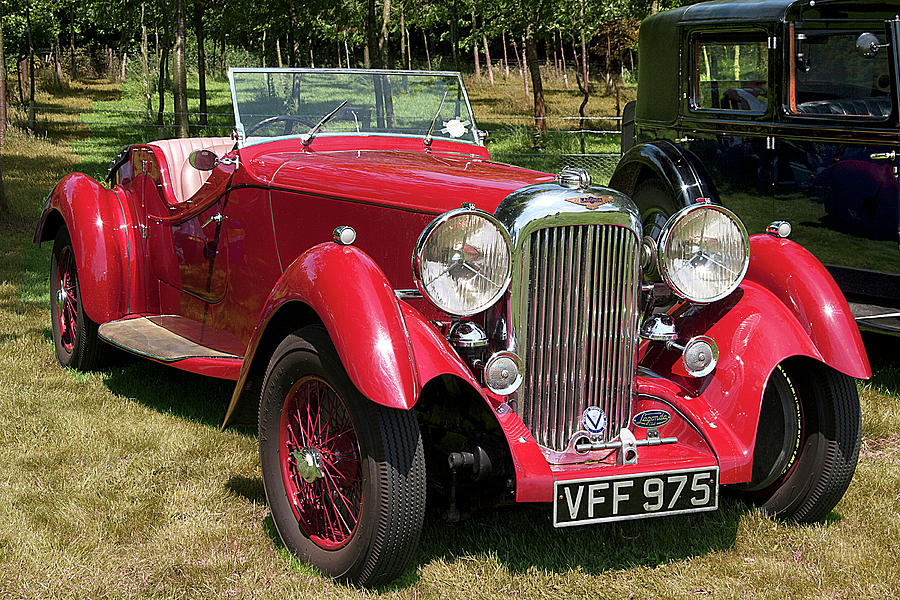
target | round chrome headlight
[
  {"x": 703, "y": 252},
  {"x": 463, "y": 261}
]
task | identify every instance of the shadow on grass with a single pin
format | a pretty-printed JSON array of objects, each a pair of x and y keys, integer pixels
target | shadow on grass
[
  {"x": 521, "y": 538},
  {"x": 168, "y": 390}
]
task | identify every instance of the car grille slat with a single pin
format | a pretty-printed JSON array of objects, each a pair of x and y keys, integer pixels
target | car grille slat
[{"x": 581, "y": 324}]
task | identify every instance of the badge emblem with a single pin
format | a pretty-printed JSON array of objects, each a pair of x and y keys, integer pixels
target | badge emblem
[
  {"x": 594, "y": 420},
  {"x": 590, "y": 202},
  {"x": 651, "y": 419}
]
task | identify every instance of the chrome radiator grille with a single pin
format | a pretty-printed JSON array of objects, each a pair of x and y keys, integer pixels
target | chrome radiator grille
[{"x": 578, "y": 328}]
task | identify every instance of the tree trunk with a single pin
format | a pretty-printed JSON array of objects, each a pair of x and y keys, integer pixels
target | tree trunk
[
  {"x": 584, "y": 83},
  {"x": 122, "y": 64},
  {"x": 179, "y": 88},
  {"x": 20, "y": 81},
  {"x": 3, "y": 88},
  {"x": 403, "y": 55},
  {"x": 145, "y": 62},
  {"x": 383, "y": 49},
  {"x": 312, "y": 59},
  {"x": 505, "y": 57},
  {"x": 475, "y": 46},
  {"x": 200, "y": 32},
  {"x": 585, "y": 70},
  {"x": 427, "y": 55},
  {"x": 278, "y": 52},
  {"x": 524, "y": 67},
  {"x": 57, "y": 63},
  {"x": 562, "y": 57},
  {"x": 223, "y": 56},
  {"x": 161, "y": 88},
  {"x": 30, "y": 67},
  {"x": 454, "y": 33},
  {"x": 371, "y": 36},
  {"x": 72, "y": 48},
  {"x": 487, "y": 55},
  {"x": 555, "y": 55},
  {"x": 540, "y": 111},
  {"x": 292, "y": 37},
  {"x": 347, "y": 51}
]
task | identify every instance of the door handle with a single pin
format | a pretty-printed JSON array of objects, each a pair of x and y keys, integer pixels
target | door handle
[
  {"x": 883, "y": 155},
  {"x": 216, "y": 218}
]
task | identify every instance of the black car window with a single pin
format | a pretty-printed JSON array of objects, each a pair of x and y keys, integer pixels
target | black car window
[
  {"x": 731, "y": 73},
  {"x": 829, "y": 77}
]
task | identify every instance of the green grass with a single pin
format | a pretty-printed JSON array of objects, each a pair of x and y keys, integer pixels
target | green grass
[{"x": 119, "y": 484}]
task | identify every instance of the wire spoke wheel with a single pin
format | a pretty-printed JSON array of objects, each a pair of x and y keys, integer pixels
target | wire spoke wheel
[
  {"x": 344, "y": 477},
  {"x": 74, "y": 333},
  {"x": 66, "y": 298},
  {"x": 317, "y": 442}
]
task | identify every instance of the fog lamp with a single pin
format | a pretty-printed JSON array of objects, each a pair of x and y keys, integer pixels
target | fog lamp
[
  {"x": 503, "y": 373},
  {"x": 700, "y": 356}
]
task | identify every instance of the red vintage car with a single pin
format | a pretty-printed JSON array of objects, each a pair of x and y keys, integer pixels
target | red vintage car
[{"x": 405, "y": 312}]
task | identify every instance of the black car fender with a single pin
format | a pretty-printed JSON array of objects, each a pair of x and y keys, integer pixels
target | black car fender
[{"x": 678, "y": 169}]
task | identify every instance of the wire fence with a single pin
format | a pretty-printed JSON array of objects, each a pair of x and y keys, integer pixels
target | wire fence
[
  {"x": 599, "y": 166},
  {"x": 128, "y": 127}
]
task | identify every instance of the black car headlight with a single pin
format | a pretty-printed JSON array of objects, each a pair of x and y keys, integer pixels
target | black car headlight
[
  {"x": 703, "y": 252},
  {"x": 463, "y": 261}
]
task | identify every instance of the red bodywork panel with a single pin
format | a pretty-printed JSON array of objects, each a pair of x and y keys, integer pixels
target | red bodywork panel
[{"x": 140, "y": 253}]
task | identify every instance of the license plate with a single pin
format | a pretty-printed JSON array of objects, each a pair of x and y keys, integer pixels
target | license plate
[{"x": 583, "y": 501}]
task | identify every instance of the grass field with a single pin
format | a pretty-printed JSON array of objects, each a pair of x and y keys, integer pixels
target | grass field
[{"x": 119, "y": 483}]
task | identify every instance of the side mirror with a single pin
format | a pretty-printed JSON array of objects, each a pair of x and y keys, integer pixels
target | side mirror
[
  {"x": 203, "y": 159},
  {"x": 868, "y": 45}
]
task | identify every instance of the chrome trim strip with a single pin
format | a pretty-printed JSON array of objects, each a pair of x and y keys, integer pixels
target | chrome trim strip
[{"x": 408, "y": 294}]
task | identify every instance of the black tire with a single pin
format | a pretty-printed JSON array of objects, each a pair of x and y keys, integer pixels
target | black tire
[
  {"x": 377, "y": 472},
  {"x": 807, "y": 442},
  {"x": 74, "y": 333},
  {"x": 656, "y": 204}
]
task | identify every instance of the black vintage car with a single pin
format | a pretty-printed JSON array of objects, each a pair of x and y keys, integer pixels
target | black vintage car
[{"x": 780, "y": 110}]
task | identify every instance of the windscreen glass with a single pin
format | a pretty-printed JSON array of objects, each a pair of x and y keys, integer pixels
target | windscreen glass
[{"x": 271, "y": 103}]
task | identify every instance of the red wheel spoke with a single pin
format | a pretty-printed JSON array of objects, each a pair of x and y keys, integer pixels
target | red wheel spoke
[{"x": 316, "y": 423}]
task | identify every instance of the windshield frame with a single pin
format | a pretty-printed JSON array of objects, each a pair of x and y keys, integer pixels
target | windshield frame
[{"x": 239, "y": 126}]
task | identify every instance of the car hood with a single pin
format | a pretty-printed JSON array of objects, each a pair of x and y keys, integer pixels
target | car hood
[{"x": 431, "y": 182}]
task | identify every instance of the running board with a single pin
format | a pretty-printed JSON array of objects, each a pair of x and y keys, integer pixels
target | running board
[
  {"x": 885, "y": 319},
  {"x": 144, "y": 337}
]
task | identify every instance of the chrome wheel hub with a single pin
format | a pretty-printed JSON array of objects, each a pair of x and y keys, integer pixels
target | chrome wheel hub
[{"x": 309, "y": 464}]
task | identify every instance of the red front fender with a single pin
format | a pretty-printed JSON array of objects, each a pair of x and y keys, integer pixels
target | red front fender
[
  {"x": 389, "y": 349},
  {"x": 787, "y": 306},
  {"x": 804, "y": 286},
  {"x": 102, "y": 242}
]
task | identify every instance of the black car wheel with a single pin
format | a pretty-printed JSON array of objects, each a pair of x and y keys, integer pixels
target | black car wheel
[
  {"x": 807, "y": 442},
  {"x": 74, "y": 333},
  {"x": 344, "y": 477}
]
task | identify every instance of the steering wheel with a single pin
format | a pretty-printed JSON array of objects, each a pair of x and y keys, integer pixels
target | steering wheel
[{"x": 289, "y": 121}]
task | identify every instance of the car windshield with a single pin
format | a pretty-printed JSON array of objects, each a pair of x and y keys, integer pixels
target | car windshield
[{"x": 273, "y": 103}]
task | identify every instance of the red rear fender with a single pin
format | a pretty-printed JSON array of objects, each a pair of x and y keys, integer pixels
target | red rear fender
[{"x": 102, "y": 240}]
